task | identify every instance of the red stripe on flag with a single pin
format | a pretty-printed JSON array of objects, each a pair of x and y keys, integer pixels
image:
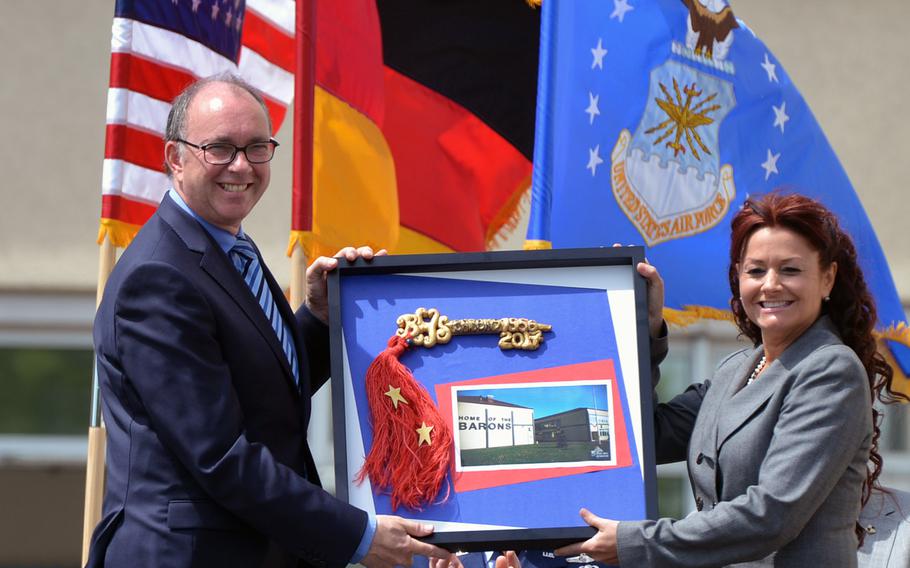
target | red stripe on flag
[
  {"x": 455, "y": 173},
  {"x": 268, "y": 40},
  {"x": 276, "y": 110},
  {"x": 151, "y": 78},
  {"x": 135, "y": 146},
  {"x": 164, "y": 82},
  {"x": 126, "y": 210}
]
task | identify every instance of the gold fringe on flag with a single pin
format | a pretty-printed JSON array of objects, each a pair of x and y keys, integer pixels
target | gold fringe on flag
[
  {"x": 313, "y": 247},
  {"x": 899, "y": 382},
  {"x": 898, "y": 333},
  {"x": 534, "y": 244},
  {"x": 508, "y": 217},
  {"x": 691, "y": 314},
  {"x": 298, "y": 238},
  {"x": 119, "y": 233}
]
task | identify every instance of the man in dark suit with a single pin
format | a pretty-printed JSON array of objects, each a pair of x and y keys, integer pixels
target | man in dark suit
[{"x": 206, "y": 374}]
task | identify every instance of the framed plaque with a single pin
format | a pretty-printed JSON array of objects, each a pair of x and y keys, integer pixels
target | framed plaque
[{"x": 533, "y": 401}]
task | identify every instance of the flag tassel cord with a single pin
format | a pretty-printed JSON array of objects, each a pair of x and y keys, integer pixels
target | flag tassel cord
[{"x": 508, "y": 217}]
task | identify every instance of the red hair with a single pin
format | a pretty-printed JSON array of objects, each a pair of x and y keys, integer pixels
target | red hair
[{"x": 851, "y": 307}]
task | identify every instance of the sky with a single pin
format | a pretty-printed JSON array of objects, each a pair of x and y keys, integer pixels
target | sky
[{"x": 549, "y": 399}]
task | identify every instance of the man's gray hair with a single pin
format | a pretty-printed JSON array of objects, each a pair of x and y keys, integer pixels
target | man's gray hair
[{"x": 176, "y": 118}]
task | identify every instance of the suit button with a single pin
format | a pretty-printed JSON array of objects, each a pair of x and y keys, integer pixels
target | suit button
[
  {"x": 699, "y": 503},
  {"x": 700, "y": 458}
]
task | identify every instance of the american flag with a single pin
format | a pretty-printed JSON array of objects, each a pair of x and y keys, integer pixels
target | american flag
[{"x": 158, "y": 47}]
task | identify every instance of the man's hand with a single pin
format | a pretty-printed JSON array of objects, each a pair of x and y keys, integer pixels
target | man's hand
[
  {"x": 317, "y": 293},
  {"x": 393, "y": 546},
  {"x": 601, "y": 546}
]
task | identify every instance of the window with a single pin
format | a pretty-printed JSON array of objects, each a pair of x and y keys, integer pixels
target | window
[{"x": 45, "y": 390}]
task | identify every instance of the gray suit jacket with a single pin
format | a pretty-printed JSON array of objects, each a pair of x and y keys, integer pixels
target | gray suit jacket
[
  {"x": 776, "y": 467},
  {"x": 889, "y": 545}
]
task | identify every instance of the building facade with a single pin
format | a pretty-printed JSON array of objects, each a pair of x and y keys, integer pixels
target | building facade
[
  {"x": 484, "y": 422},
  {"x": 576, "y": 425}
]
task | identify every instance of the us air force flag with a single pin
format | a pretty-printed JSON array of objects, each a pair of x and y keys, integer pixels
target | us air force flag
[{"x": 655, "y": 120}]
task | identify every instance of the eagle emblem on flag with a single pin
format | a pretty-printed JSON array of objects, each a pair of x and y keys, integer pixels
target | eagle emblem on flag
[{"x": 667, "y": 177}]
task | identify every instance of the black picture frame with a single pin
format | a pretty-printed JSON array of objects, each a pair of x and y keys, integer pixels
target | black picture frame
[{"x": 362, "y": 293}]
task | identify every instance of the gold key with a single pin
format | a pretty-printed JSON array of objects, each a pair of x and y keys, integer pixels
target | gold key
[{"x": 427, "y": 327}]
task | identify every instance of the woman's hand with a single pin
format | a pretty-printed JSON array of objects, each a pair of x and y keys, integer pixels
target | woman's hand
[
  {"x": 602, "y": 546},
  {"x": 655, "y": 297}
]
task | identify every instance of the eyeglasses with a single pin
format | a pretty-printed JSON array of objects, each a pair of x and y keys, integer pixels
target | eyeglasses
[{"x": 221, "y": 153}]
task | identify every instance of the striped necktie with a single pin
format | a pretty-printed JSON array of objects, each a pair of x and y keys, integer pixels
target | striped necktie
[{"x": 247, "y": 263}]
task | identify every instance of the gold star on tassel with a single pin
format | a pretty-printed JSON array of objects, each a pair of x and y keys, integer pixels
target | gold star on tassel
[
  {"x": 424, "y": 434},
  {"x": 395, "y": 395}
]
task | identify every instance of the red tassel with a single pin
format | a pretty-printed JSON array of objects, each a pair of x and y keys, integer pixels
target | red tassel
[{"x": 401, "y": 462}]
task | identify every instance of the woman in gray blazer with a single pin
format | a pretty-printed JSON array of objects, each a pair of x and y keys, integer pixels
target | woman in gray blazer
[{"x": 782, "y": 442}]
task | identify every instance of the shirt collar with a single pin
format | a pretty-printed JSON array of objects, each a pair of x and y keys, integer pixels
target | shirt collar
[{"x": 225, "y": 239}]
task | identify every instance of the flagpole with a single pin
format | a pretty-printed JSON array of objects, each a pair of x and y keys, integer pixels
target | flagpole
[
  {"x": 94, "y": 469},
  {"x": 304, "y": 81}
]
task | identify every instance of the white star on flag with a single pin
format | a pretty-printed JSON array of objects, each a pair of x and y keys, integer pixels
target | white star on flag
[
  {"x": 227, "y": 18},
  {"x": 592, "y": 109},
  {"x": 770, "y": 69},
  {"x": 598, "y": 53},
  {"x": 620, "y": 7},
  {"x": 780, "y": 115},
  {"x": 196, "y": 5},
  {"x": 770, "y": 164},
  {"x": 215, "y": 10},
  {"x": 594, "y": 159}
]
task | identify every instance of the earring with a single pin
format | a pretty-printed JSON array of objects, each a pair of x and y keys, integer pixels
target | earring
[{"x": 827, "y": 298}]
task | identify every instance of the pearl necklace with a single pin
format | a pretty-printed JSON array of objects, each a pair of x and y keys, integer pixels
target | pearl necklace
[{"x": 756, "y": 371}]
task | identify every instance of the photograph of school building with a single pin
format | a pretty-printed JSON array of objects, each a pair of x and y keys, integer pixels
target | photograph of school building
[{"x": 492, "y": 432}]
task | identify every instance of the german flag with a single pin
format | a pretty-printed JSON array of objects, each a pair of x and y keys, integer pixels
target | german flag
[{"x": 423, "y": 124}]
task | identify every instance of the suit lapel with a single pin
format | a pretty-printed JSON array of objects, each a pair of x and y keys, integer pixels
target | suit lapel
[
  {"x": 218, "y": 266},
  {"x": 742, "y": 402}
]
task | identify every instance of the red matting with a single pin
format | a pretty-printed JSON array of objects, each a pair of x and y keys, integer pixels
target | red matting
[{"x": 595, "y": 370}]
